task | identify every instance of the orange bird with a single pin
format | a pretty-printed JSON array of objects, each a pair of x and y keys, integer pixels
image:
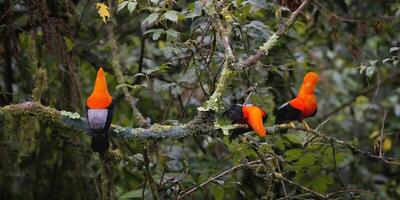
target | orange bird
[
  {"x": 301, "y": 107},
  {"x": 248, "y": 114},
  {"x": 99, "y": 111}
]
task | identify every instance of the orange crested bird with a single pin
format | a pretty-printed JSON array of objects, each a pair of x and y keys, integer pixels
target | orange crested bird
[
  {"x": 301, "y": 107},
  {"x": 99, "y": 111},
  {"x": 248, "y": 114}
]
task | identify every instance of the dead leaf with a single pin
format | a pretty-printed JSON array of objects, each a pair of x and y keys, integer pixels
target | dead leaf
[{"x": 103, "y": 11}]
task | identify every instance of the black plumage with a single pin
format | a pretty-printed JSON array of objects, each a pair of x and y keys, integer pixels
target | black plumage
[{"x": 287, "y": 113}]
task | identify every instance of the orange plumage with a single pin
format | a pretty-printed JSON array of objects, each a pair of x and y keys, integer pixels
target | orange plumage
[
  {"x": 304, "y": 105},
  {"x": 100, "y": 97},
  {"x": 254, "y": 116},
  {"x": 305, "y": 100}
]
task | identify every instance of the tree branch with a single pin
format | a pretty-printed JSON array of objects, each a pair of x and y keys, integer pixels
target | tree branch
[
  {"x": 138, "y": 117},
  {"x": 273, "y": 40},
  {"x": 211, "y": 179},
  {"x": 214, "y": 103},
  {"x": 393, "y": 76},
  {"x": 149, "y": 176},
  {"x": 202, "y": 124}
]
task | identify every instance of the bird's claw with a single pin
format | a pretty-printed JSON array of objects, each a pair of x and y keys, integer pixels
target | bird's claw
[{"x": 306, "y": 126}]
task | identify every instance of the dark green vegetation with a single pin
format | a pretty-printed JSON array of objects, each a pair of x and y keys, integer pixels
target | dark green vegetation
[{"x": 173, "y": 67}]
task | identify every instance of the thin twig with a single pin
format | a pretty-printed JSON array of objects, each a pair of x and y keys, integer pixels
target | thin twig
[
  {"x": 344, "y": 143},
  {"x": 149, "y": 176},
  {"x": 138, "y": 117},
  {"x": 337, "y": 169},
  {"x": 263, "y": 52},
  {"x": 381, "y": 134},
  {"x": 283, "y": 183},
  {"x": 211, "y": 179},
  {"x": 281, "y": 177},
  {"x": 365, "y": 91}
]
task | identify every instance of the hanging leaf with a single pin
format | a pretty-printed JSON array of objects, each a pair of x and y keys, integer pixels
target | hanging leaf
[
  {"x": 171, "y": 15},
  {"x": 173, "y": 33},
  {"x": 259, "y": 3},
  {"x": 387, "y": 60},
  {"x": 370, "y": 71},
  {"x": 394, "y": 49},
  {"x": 320, "y": 183},
  {"x": 122, "y": 5},
  {"x": 132, "y": 194},
  {"x": 69, "y": 43},
  {"x": 151, "y": 19},
  {"x": 292, "y": 154},
  {"x": 103, "y": 11},
  {"x": 156, "y": 33},
  {"x": 132, "y": 6}
]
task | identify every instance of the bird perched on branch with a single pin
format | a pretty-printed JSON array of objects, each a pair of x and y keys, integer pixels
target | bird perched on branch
[
  {"x": 301, "y": 107},
  {"x": 248, "y": 114},
  {"x": 99, "y": 110}
]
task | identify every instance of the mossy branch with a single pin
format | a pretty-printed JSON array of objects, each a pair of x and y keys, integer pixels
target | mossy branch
[
  {"x": 215, "y": 102},
  {"x": 202, "y": 124},
  {"x": 137, "y": 115},
  {"x": 273, "y": 39}
]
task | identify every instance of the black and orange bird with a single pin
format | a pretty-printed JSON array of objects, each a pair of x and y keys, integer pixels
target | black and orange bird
[
  {"x": 99, "y": 111},
  {"x": 248, "y": 114},
  {"x": 301, "y": 107}
]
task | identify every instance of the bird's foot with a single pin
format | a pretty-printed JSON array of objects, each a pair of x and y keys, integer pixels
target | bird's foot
[
  {"x": 292, "y": 125},
  {"x": 306, "y": 126}
]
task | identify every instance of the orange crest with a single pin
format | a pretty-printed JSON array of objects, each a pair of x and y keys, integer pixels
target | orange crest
[
  {"x": 310, "y": 81},
  {"x": 311, "y": 77},
  {"x": 100, "y": 97}
]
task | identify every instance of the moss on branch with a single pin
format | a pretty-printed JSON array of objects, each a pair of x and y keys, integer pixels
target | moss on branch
[{"x": 202, "y": 124}]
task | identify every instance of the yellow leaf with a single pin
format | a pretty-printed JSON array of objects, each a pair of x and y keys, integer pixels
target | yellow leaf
[
  {"x": 227, "y": 15},
  {"x": 103, "y": 11},
  {"x": 387, "y": 144},
  {"x": 374, "y": 135},
  {"x": 278, "y": 13}
]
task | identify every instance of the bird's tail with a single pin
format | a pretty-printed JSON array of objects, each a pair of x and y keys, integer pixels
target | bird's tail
[{"x": 100, "y": 143}]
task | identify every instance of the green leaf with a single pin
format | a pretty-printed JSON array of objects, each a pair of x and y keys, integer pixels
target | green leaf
[
  {"x": 173, "y": 33},
  {"x": 218, "y": 193},
  {"x": 394, "y": 49},
  {"x": 305, "y": 161},
  {"x": 151, "y": 19},
  {"x": 293, "y": 154},
  {"x": 69, "y": 43},
  {"x": 156, "y": 34},
  {"x": 321, "y": 183},
  {"x": 259, "y": 3},
  {"x": 296, "y": 137},
  {"x": 122, "y": 5},
  {"x": 370, "y": 71},
  {"x": 132, "y": 194},
  {"x": 171, "y": 15},
  {"x": 362, "y": 68},
  {"x": 387, "y": 60},
  {"x": 132, "y": 6},
  {"x": 132, "y": 87}
]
